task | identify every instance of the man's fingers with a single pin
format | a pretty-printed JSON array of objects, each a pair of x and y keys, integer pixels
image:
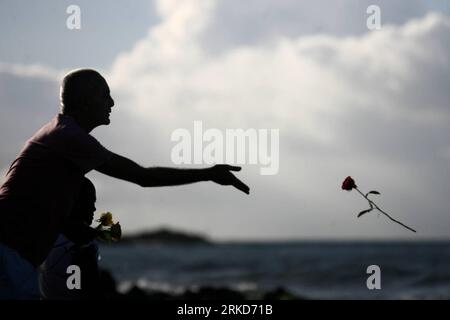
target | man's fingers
[
  {"x": 226, "y": 177},
  {"x": 240, "y": 185},
  {"x": 232, "y": 168}
]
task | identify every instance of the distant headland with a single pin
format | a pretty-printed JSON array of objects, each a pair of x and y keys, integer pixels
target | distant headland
[{"x": 165, "y": 236}]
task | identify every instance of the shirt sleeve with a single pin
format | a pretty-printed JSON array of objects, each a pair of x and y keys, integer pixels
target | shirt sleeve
[
  {"x": 85, "y": 152},
  {"x": 76, "y": 147}
]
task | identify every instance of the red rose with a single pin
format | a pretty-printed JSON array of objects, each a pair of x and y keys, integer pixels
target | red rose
[{"x": 348, "y": 184}]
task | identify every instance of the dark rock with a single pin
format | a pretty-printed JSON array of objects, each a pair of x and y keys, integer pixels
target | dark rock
[
  {"x": 210, "y": 293},
  {"x": 108, "y": 284},
  {"x": 136, "y": 293},
  {"x": 280, "y": 294}
]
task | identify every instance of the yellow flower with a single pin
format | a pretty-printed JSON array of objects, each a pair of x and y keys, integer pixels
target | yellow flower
[{"x": 106, "y": 219}]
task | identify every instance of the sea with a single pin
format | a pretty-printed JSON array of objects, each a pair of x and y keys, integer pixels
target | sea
[{"x": 310, "y": 270}]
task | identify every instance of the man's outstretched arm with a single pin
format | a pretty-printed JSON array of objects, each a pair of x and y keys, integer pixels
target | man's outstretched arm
[{"x": 126, "y": 169}]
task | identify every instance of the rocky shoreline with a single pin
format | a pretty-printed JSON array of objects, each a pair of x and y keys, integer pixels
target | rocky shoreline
[
  {"x": 202, "y": 293},
  {"x": 169, "y": 236},
  {"x": 208, "y": 293}
]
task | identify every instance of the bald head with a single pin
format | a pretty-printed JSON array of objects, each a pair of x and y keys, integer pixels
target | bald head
[
  {"x": 84, "y": 94},
  {"x": 77, "y": 87}
]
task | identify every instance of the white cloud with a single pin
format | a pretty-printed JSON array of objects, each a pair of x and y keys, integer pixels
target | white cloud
[
  {"x": 299, "y": 85},
  {"x": 31, "y": 71},
  {"x": 321, "y": 91}
]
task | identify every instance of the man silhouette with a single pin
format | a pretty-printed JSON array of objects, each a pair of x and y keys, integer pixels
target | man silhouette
[{"x": 46, "y": 176}]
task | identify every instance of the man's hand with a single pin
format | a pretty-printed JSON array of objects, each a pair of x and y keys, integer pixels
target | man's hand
[{"x": 221, "y": 174}]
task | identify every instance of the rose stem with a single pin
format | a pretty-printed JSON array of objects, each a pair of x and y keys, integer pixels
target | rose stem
[{"x": 387, "y": 215}]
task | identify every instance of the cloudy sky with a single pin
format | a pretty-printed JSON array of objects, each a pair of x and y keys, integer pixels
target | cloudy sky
[{"x": 347, "y": 101}]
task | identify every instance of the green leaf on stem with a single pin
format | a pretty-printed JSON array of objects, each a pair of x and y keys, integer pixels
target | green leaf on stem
[{"x": 364, "y": 211}]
